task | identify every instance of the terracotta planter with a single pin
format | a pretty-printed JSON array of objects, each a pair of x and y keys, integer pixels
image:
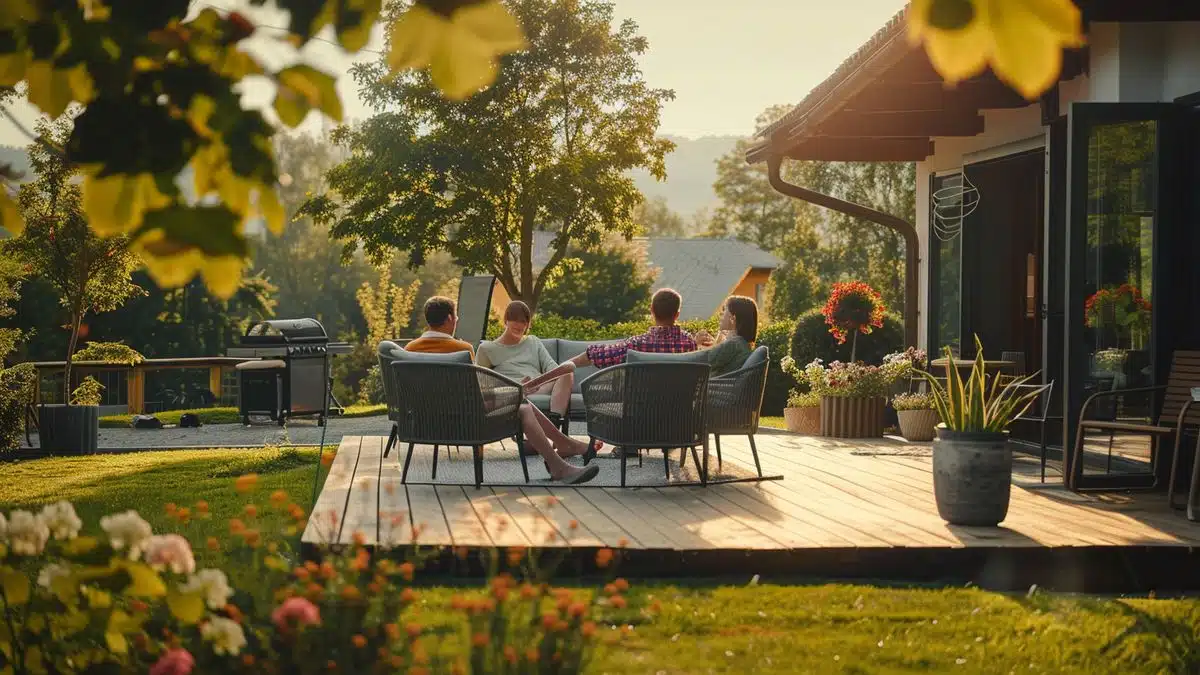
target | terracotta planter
[
  {"x": 918, "y": 425},
  {"x": 803, "y": 420},
  {"x": 852, "y": 417}
]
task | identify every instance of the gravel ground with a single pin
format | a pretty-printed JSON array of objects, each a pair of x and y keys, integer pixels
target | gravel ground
[{"x": 297, "y": 432}]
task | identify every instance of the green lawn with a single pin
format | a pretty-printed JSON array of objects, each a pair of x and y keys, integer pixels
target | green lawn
[
  {"x": 773, "y": 422},
  {"x": 701, "y": 627},
  {"x": 225, "y": 415}
]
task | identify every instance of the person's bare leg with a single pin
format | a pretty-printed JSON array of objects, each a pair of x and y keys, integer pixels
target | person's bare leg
[
  {"x": 566, "y": 446},
  {"x": 560, "y": 395},
  {"x": 558, "y": 467}
]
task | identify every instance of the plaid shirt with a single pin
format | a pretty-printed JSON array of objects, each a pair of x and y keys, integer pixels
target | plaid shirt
[{"x": 657, "y": 340}]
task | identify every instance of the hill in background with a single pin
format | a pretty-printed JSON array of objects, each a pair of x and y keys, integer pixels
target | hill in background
[{"x": 691, "y": 170}]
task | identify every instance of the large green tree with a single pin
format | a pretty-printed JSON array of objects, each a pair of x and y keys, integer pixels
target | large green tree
[
  {"x": 546, "y": 147},
  {"x": 657, "y": 219},
  {"x": 611, "y": 285},
  {"x": 90, "y": 274}
]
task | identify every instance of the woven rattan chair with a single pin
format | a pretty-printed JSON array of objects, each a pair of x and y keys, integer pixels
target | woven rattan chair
[
  {"x": 654, "y": 405},
  {"x": 734, "y": 401},
  {"x": 440, "y": 403}
]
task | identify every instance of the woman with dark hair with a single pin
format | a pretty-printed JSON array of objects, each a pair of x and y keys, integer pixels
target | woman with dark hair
[
  {"x": 516, "y": 354},
  {"x": 738, "y": 332}
]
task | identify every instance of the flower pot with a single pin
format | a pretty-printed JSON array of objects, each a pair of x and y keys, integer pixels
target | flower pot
[
  {"x": 68, "y": 429},
  {"x": 918, "y": 425},
  {"x": 803, "y": 420},
  {"x": 972, "y": 476},
  {"x": 852, "y": 416}
]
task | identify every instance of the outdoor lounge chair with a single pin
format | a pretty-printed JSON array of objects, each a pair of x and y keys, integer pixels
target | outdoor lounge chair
[
  {"x": 734, "y": 401},
  {"x": 474, "y": 307},
  {"x": 436, "y": 401},
  {"x": 1175, "y": 416},
  {"x": 652, "y": 405}
]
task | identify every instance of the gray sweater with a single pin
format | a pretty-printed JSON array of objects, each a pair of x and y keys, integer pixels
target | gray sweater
[{"x": 527, "y": 358}]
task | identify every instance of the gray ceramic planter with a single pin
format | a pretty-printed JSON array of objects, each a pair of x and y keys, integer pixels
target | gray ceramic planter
[
  {"x": 68, "y": 429},
  {"x": 972, "y": 476}
]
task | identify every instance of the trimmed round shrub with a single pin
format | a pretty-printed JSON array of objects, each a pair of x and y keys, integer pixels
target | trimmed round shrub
[{"x": 811, "y": 339}]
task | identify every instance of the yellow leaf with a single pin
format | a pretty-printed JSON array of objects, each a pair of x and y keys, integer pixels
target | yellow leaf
[
  {"x": 97, "y": 598},
  {"x": 144, "y": 581},
  {"x": 15, "y": 586},
  {"x": 1029, "y": 37},
  {"x": 237, "y": 64},
  {"x": 10, "y": 218},
  {"x": 116, "y": 642},
  {"x": 414, "y": 37},
  {"x": 493, "y": 24},
  {"x": 356, "y": 37},
  {"x": 199, "y": 112},
  {"x": 462, "y": 65},
  {"x": 223, "y": 275},
  {"x": 234, "y": 191},
  {"x": 302, "y": 88},
  {"x": 80, "y": 546},
  {"x": 49, "y": 89},
  {"x": 12, "y": 67},
  {"x": 65, "y": 587},
  {"x": 271, "y": 209},
  {"x": 187, "y": 607},
  {"x": 115, "y": 204}
]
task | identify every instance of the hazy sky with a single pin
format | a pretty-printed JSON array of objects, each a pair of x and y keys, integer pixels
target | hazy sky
[{"x": 726, "y": 60}]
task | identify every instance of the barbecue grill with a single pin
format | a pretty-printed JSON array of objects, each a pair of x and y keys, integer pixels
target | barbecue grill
[{"x": 292, "y": 377}]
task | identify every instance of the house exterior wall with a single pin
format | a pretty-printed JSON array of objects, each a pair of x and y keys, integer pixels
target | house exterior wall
[{"x": 754, "y": 285}]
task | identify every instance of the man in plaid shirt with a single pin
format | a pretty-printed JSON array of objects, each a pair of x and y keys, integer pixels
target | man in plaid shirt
[{"x": 664, "y": 337}]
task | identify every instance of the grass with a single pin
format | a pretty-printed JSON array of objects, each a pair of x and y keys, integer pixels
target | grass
[
  {"x": 225, "y": 415},
  {"x": 700, "y": 627},
  {"x": 772, "y": 422}
]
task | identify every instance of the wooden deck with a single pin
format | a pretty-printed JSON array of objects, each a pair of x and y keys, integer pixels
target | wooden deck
[{"x": 834, "y": 514}]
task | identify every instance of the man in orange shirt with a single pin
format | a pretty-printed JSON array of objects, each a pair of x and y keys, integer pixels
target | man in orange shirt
[{"x": 442, "y": 319}]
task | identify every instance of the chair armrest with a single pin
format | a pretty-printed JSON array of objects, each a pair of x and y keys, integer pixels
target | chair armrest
[{"x": 1117, "y": 392}]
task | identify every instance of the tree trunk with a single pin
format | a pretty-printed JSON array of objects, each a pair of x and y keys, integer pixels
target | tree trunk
[
  {"x": 853, "y": 344},
  {"x": 76, "y": 320}
]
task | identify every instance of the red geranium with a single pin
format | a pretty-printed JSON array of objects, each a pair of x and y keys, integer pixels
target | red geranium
[{"x": 853, "y": 306}]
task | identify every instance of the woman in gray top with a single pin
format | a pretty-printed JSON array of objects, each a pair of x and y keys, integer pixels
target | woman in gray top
[{"x": 738, "y": 331}]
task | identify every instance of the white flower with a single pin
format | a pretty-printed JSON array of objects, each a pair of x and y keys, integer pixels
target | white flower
[
  {"x": 51, "y": 572},
  {"x": 170, "y": 551},
  {"x": 27, "y": 533},
  {"x": 214, "y": 585},
  {"x": 225, "y": 635},
  {"x": 61, "y": 519},
  {"x": 127, "y": 530}
]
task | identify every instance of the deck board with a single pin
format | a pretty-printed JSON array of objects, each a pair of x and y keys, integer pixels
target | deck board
[{"x": 828, "y": 499}]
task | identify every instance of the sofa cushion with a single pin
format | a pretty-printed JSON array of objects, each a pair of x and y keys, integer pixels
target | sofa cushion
[
  {"x": 451, "y": 357},
  {"x": 652, "y": 357},
  {"x": 551, "y": 345}
]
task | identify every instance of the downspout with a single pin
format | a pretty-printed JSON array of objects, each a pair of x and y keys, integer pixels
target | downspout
[{"x": 905, "y": 228}]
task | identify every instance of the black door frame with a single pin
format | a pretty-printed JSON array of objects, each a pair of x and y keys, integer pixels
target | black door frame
[{"x": 1169, "y": 219}]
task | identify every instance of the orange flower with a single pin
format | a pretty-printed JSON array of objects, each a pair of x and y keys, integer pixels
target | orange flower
[
  {"x": 527, "y": 592},
  {"x": 359, "y": 538},
  {"x": 621, "y": 584},
  {"x": 480, "y": 640},
  {"x": 374, "y": 588},
  {"x": 232, "y": 611},
  {"x": 458, "y": 603},
  {"x": 610, "y": 589},
  {"x": 407, "y": 570},
  {"x": 327, "y": 570},
  {"x": 170, "y": 508},
  {"x": 314, "y": 591},
  {"x": 603, "y": 557},
  {"x": 301, "y": 573},
  {"x": 246, "y": 483},
  {"x": 392, "y": 631},
  {"x": 577, "y": 609},
  {"x": 510, "y": 654},
  {"x": 311, "y": 566},
  {"x": 184, "y": 514},
  {"x": 397, "y": 661},
  {"x": 515, "y": 554},
  {"x": 351, "y": 593},
  {"x": 500, "y": 593},
  {"x": 561, "y": 626},
  {"x": 327, "y": 459},
  {"x": 236, "y": 526},
  {"x": 549, "y": 620},
  {"x": 213, "y": 544},
  {"x": 138, "y": 606},
  {"x": 618, "y": 601},
  {"x": 295, "y": 511},
  {"x": 359, "y": 641},
  {"x": 248, "y": 660},
  {"x": 408, "y": 596},
  {"x": 588, "y": 629},
  {"x": 279, "y": 498},
  {"x": 531, "y": 655},
  {"x": 413, "y": 630},
  {"x": 574, "y": 524},
  {"x": 656, "y": 606},
  {"x": 251, "y": 511},
  {"x": 252, "y": 538},
  {"x": 202, "y": 507}
]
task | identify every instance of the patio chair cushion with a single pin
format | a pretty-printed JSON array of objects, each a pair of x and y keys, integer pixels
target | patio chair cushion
[
  {"x": 569, "y": 349},
  {"x": 451, "y": 357},
  {"x": 389, "y": 350},
  {"x": 632, "y": 356},
  {"x": 756, "y": 357},
  {"x": 551, "y": 345},
  {"x": 265, "y": 364}
]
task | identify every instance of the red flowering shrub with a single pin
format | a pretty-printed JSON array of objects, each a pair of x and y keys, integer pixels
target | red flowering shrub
[
  {"x": 853, "y": 306},
  {"x": 1123, "y": 305}
]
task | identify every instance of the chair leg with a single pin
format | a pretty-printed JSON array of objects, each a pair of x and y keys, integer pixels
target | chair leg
[
  {"x": 407, "y": 461},
  {"x": 1072, "y": 476},
  {"x": 1108, "y": 467},
  {"x": 682, "y": 458},
  {"x": 1193, "y": 509},
  {"x": 704, "y": 471},
  {"x": 695, "y": 457},
  {"x": 521, "y": 453},
  {"x": 639, "y": 457},
  {"x": 435, "y": 458},
  {"x": 717, "y": 438},
  {"x": 667, "y": 462},
  {"x": 1043, "y": 451},
  {"x": 478, "y": 452},
  {"x": 753, "y": 451},
  {"x": 623, "y": 460},
  {"x": 1174, "y": 469},
  {"x": 392, "y": 437}
]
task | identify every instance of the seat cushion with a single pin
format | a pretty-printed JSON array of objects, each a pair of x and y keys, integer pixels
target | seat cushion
[
  {"x": 540, "y": 401},
  {"x": 451, "y": 357},
  {"x": 265, "y": 364},
  {"x": 569, "y": 349},
  {"x": 551, "y": 345}
]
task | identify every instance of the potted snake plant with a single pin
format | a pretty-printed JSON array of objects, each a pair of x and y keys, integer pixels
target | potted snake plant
[{"x": 972, "y": 459}]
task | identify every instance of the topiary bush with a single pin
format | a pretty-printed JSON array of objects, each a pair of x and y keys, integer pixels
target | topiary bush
[
  {"x": 811, "y": 339},
  {"x": 108, "y": 352},
  {"x": 776, "y": 337}
]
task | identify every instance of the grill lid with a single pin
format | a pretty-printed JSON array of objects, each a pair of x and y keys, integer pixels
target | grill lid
[{"x": 285, "y": 331}]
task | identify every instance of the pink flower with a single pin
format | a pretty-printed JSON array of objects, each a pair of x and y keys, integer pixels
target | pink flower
[
  {"x": 170, "y": 550},
  {"x": 295, "y": 612},
  {"x": 174, "y": 662}
]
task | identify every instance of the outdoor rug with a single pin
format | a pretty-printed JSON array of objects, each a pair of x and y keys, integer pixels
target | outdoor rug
[{"x": 502, "y": 467}]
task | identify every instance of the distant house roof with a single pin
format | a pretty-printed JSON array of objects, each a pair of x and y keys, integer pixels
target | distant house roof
[{"x": 704, "y": 271}]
